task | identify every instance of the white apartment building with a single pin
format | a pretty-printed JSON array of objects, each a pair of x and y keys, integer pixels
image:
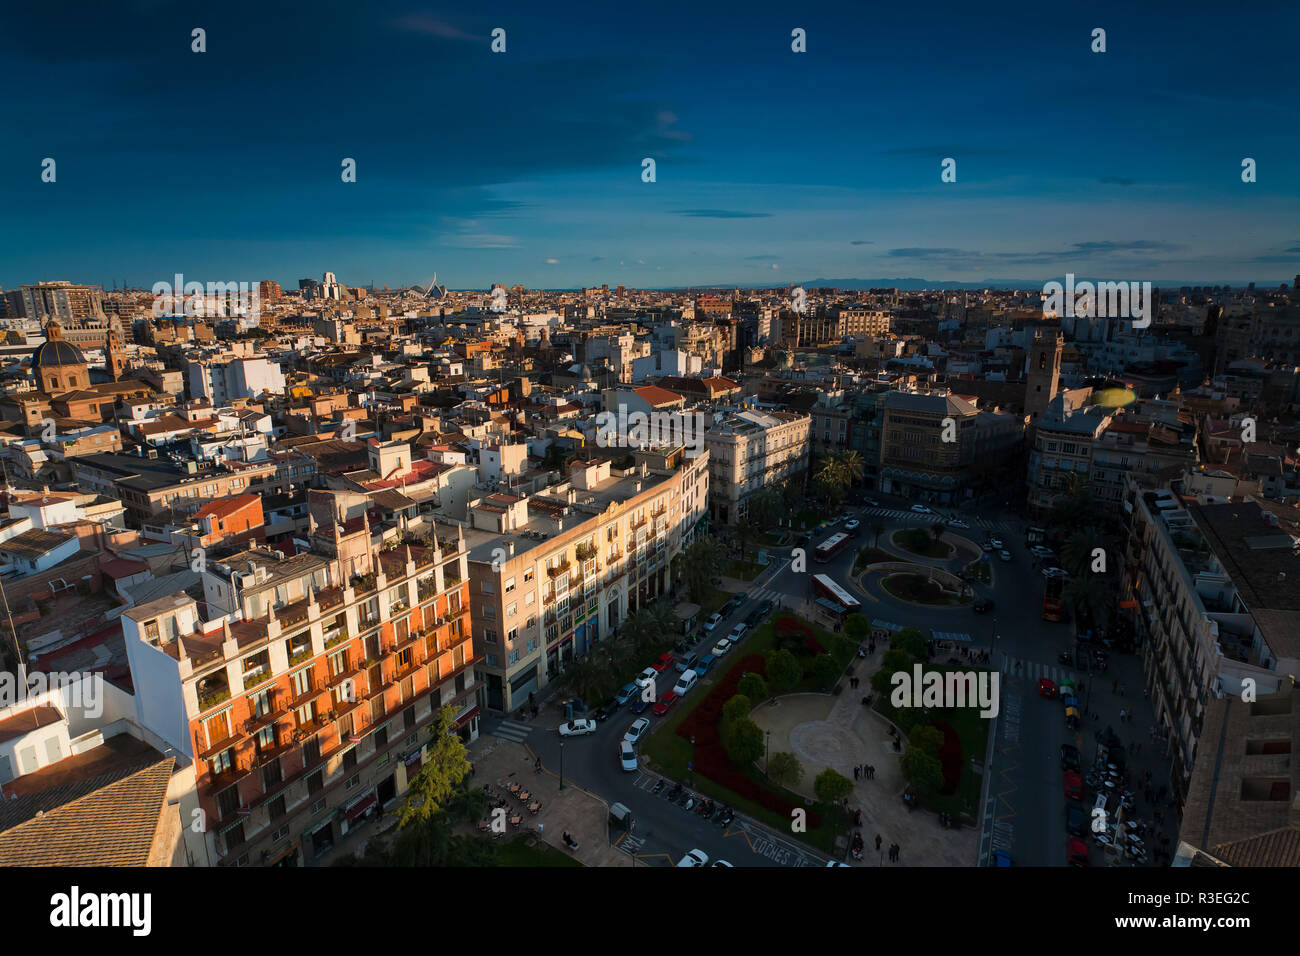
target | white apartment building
[{"x": 750, "y": 451}]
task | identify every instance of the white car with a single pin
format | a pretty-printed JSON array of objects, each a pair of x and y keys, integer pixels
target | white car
[
  {"x": 921, "y": 509},
  {"x": 852, "y": 525},
  {"x": 1004, "y": 554},
  {"x": 626, "y": 756},
  {"x": 958, "y": 523},
  {"x": 721, "y": 863},
  {"x": 1041, "y": 551},
  {"x": 694, "y": 858},
  {"x": 996, "y": 542},
  {"x": 738, "y": 632},
  {"x": 721, "y": 647},
  {"x": 646, "y": 677},
  {"x": 712, "y": 622},
  {"x": 637, "y": 730},
  {"x": 1055, "y": 573},
  {"x": 576, "y": 728}
]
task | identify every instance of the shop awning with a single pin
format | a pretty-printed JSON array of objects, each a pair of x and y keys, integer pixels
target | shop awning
[{"x": 361, "y": 807}]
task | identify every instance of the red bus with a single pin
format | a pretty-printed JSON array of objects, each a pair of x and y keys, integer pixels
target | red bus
[
  {"x": 831, "y": 546},
  {"x": 824, "y": 587},
  {"x": 1053, "y": 606}
]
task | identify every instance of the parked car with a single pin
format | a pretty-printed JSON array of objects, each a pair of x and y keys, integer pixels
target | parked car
[
  {"x": 627, "y": 692},
  {"x": 640, "y": 704},
  {"x": 957, "y": 523},
  {"x": 871, "y": 502},
  {"x": 646, "y": 677},
  {"x": 766, "y": 607},
  {"x": 577, "y": 728},
  {"x": 1075, "y": 821},
  {"x": 1040, "y": 551},
  {"x": 694, "y": 858},
  {"x": 665, "y": 661},
  {"x": 1069, "y": 757},
  {"x": 754, "y": 616},
  {"x": 1004, "y": 554},
  {"x": 626, "y": 756},
  {"x": 712, "y": 622},
  {"x": 665, "y": 703},
  {"x": 987, "y": 545},
  {"x": 720, "y": 648},
  {"x": 637, "y": 730},
  {"x": 921, "y": 510},
  {"x": 685, "y": 682},
  {"x": 721, "y": 863},
  {"x": 1076, "y": 852},
  {"x": 983, "y": 605},
  {"x": 852, "y": 525},
  {"x": 1073, "y": 785},
  {"x": 605, "y": 710},
  {"x": 705, "y": 665},
  {"x": 687, "y": 664},
  {"x": 737, "y": 632}
]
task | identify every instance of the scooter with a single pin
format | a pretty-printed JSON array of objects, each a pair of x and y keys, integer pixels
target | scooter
[
  {"x": 658, "y": 786},
  {"x": 690, "y": 802}
]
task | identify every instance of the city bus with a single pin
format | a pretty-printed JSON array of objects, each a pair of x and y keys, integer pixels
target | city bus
[
  {"x": 831, "y": 546},
  {"x": 824, "y": 587},
  {"x": 1053, "y": 606}
]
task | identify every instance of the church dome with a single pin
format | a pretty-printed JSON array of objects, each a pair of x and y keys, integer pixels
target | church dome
[{"x": 57, "y": 353}]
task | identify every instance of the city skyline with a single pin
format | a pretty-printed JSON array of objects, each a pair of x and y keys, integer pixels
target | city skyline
[{"x": 772, "y": 167}]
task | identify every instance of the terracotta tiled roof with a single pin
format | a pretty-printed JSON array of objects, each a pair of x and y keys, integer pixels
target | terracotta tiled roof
[
  {"x": 109, "y": 820},
  {"x": 1275, "y": 848}
]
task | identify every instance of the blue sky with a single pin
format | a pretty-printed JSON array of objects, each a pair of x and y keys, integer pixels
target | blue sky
[{"x": 772, "y": 167}]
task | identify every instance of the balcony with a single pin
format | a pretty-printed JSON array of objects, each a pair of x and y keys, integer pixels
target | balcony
[
  {"x": 313, "y": 690},
  {"x": 559, "y": 569},
  {"x": 336, "y": 636}
]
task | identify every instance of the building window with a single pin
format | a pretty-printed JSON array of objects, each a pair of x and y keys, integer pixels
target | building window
[{"x": 316, "y": 782}]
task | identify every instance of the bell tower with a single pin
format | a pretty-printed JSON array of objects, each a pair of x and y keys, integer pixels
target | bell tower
[
  {"x": 115, "y": 358},
  {"x": 1044, "y": 372}
]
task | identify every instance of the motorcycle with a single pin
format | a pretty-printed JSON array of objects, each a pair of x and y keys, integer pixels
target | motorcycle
[
  {"x": 690, "y": 802},
  {"x": 658, "y": 786}
]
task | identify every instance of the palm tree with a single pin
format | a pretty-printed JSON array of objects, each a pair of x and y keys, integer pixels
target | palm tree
[
  {"x": 937, "y": 529},
  {"x": 1091, "y": 598},
  {"x": 851, "y": 466},
  {"x": 700, "y": 562},
  {"x": 746, "y": 534},
  {"x": 1077, "y": 553}
]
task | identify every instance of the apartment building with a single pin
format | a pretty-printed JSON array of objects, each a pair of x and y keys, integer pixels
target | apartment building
[
  {"x": 150, "y": 486},
  {"x": 308, "y": 704},
  {"x": 861, "y": 320},
  {"x": 934, "y": 447},
  {"x": 750, "y": 451},
  {"x": 1062, "y": 449},
  {"x": 1212, "y": 592},
  {"x": 553, "y": 574},
  {"x": 61, "y": 300},
  {"x": 224, "y": 379}
]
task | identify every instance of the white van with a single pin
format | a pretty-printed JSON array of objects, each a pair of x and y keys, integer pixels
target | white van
[{"x": 685, "y": 682}]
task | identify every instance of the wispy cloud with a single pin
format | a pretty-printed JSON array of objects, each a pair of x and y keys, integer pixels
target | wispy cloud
[
  {"x": 432, "y": 26},
  {"x": 761, "y": 258},
  {"x": 722, "y": 214},
  {"x": 861, "y": 242}
]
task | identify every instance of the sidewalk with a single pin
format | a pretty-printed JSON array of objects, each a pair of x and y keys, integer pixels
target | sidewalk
[{"x": 499, "y": 762}]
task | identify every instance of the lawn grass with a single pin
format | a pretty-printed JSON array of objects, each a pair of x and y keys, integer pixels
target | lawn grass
[
  {"x": 980, "y": 571},
  {"x": 867, "y": 556},
  {"x": 744, "y": 570},
  {"x": 916, "y": 588},
  {"x": 518, "y": 852},
  {"x": 973, "y": 731},
  {"x": 670, "y": 754},
  {"x": 919, "y": 542}
]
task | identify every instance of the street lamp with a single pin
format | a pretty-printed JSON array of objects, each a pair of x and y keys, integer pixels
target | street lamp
[
  {"x": 767, "y": 749},
  {"x": 561, "y": 764}
]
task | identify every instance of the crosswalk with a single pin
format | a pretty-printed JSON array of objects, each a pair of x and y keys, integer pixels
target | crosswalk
[
  {"x": 983, "y": 524},
  {"x": 1033, "y": 670},
  {"x": 512, "y": 730}
]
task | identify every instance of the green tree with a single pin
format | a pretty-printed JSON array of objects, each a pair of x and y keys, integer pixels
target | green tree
[
  {"x": 743, "y": 741},
  {"x": 784, "y": 769},
  {"x": 446, "y": 765},
  {"x": 737, "y": 708},
  {"x": 927, "y": 739},
  {"x": 893, "y": 662},
  {"x": 783, "y": 671},
  {"x": 753, "y": 686},
  {"x": 825, "y": 670},
  {"x": 911, "y": 642},
  {"x": 937, "y": 529},
  {"x": 857, "y": 627},
  {"x": 746, "y": 533},
  {"x": 831, "y": 787},
  {"x": 851, "y": 466},
  {"x": 700, "y": 564},
  {"x": 922, "y": 771}
]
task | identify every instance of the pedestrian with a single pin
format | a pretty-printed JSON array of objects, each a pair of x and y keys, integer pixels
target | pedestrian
[
  {"x": 1123, "y": 688},
  {"x": 1123, "y": 715},
  {"x": 1114, "y": 686},
  {"x": 539, "y": 828},
  {"x": 855, "y": 772},
  {"x": 877, "y": 842},
  {"x": 873, "y": 772}
]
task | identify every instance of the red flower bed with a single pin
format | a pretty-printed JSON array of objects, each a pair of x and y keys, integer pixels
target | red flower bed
[
  {"x": 711, "y": 757},
  {"x": 787, "y": 626},
  {"x": 950, "y": 757}
]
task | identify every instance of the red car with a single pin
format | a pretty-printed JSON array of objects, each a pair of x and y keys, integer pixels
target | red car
[
  {"x": 664, "y": 704},
  {"x": 1073, "y": 786},
  {"x": 1046, "y": 688},
  {"x": 664, "y": 663},
  {"x": 1076, "y": 853}
]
